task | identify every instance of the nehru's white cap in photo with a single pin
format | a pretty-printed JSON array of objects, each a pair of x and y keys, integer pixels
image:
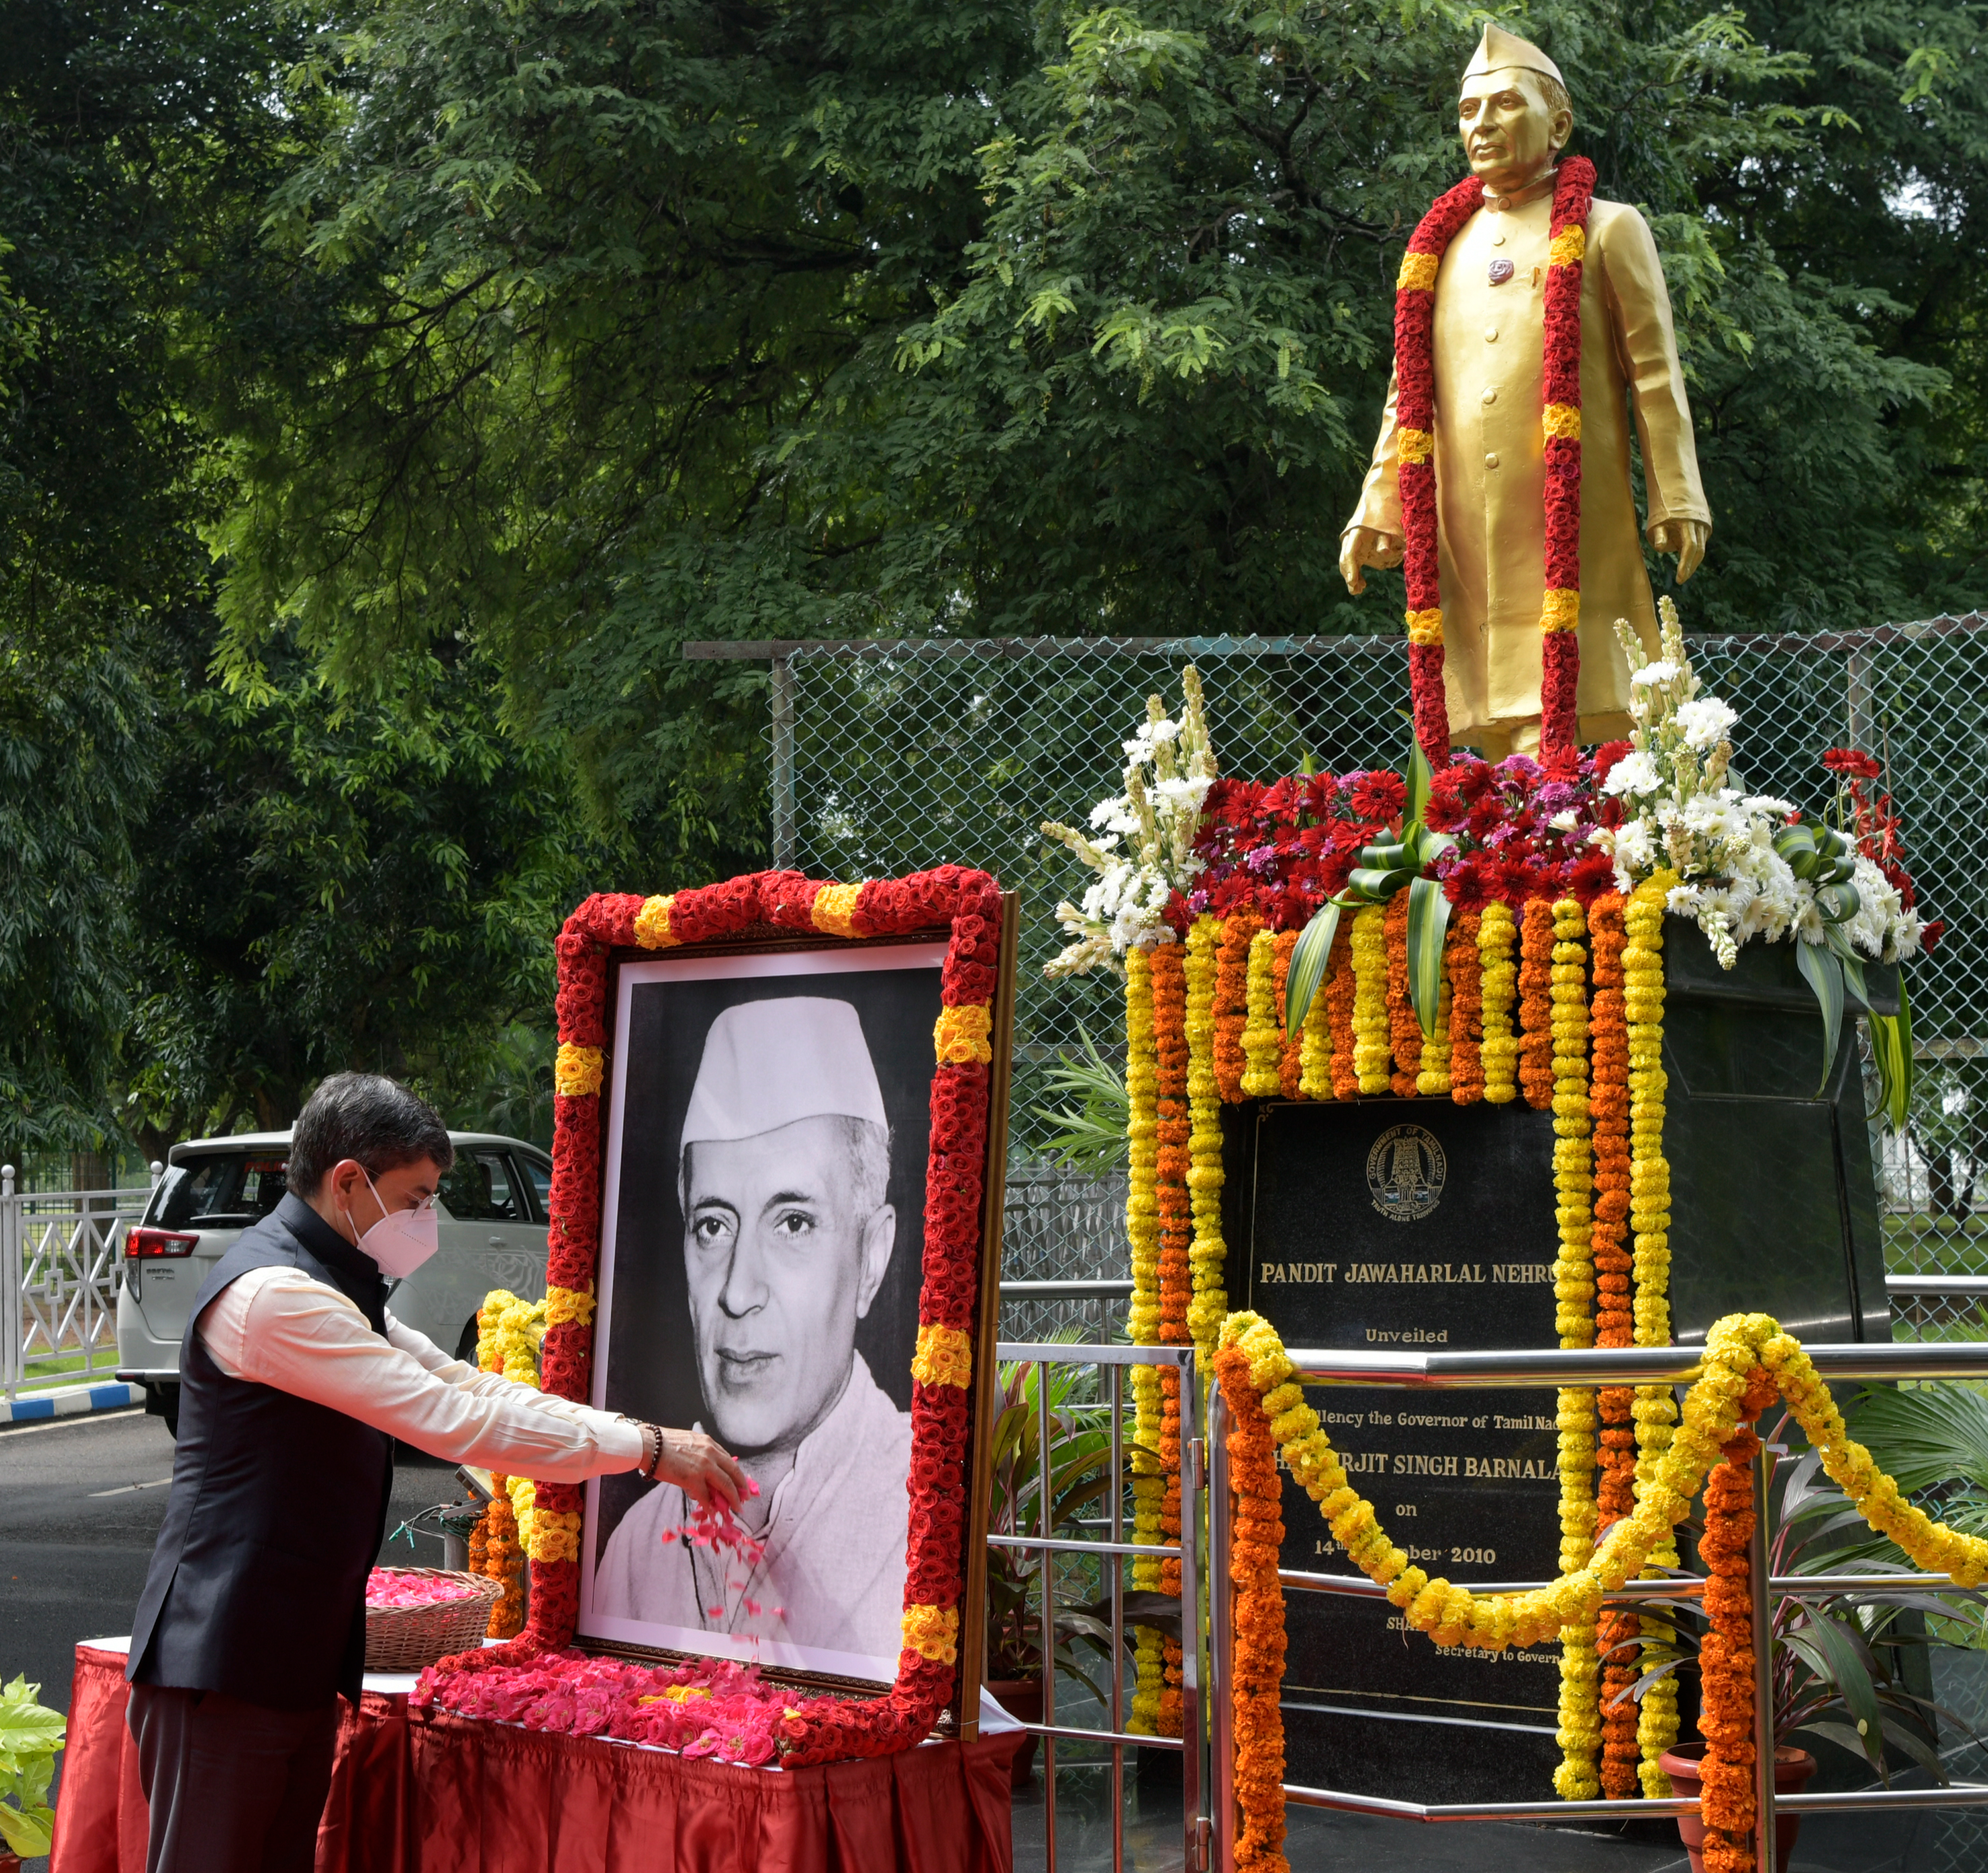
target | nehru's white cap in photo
[{"x": 767, "y": 1063}]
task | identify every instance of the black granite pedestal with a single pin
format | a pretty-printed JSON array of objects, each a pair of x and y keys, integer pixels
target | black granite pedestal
[{"x": 1416, "y": 1224}]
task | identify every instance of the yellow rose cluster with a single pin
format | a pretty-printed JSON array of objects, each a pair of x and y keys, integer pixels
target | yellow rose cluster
[
  {"x": 1210, "y": 1304},
  {"x": 1497, "y": 934},
  {"x": 1372, "y": 1048}
]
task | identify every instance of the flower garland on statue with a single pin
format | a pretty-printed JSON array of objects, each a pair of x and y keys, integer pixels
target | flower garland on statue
[
  {"x": 1414, "y": 368},
  {"x": 827, "y": 1728},
  {"x": 1724, "y": 1393}
]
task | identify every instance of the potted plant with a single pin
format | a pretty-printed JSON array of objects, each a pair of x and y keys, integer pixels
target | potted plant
[
  {"x": 1079, "y": 1482},
  {"x": 30, "y": 1735},
  {"x": 1836, "y": 1660}
]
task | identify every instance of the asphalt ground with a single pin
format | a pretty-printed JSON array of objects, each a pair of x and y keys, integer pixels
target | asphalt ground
[{"x": 81, "y": 1501}]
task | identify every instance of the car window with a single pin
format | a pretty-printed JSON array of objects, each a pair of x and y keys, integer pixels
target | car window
[
  {"x": 541, "y": 1181},
  {"x": 480, "y": 1187},
  {"x": 220, "y": 1190}
]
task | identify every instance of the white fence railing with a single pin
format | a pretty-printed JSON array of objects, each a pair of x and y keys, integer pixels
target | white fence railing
[{"x": 61, "y": 1253}]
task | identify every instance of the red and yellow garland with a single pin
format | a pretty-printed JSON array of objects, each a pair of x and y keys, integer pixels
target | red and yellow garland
[
  {"x": 1414, "y": 368},
  {"x": 968, "y": 901}
]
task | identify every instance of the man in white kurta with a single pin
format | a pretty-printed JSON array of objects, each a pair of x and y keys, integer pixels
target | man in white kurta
[
  {"x": 832, "y": 1573},
  {"x": 784, "y": 1174}
]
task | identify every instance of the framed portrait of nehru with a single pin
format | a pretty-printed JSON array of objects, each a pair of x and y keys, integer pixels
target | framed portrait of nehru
[{"x": 762, "y": 1237}]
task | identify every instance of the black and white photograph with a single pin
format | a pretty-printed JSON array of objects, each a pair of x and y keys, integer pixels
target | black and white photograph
[{"x": 762, "y": 1241}]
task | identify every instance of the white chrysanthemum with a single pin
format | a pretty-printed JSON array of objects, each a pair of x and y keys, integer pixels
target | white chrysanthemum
[
  {"x": 1634, "y": 774},
  {"x": 1662, "y": 671},
  {"x": 1186, "y": 794},
  {"x": 1704, "y": 723}
]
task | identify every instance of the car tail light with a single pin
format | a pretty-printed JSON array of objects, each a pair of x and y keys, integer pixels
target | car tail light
[{"x": 146, "y": 1245}]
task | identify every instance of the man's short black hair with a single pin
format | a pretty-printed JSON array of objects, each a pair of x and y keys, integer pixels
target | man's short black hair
[{"x": 368, "y": 1117}]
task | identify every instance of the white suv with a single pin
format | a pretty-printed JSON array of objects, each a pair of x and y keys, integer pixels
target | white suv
[{"x": 493, "y": 1207}]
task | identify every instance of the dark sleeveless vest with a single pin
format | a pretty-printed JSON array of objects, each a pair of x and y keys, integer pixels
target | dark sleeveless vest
[{"x": 258, "y": 1584}]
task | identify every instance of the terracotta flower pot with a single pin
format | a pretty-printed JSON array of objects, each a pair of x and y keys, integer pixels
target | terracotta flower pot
[
  {"x": 1792, "y": 1767},
  {"x": 1022, "y": 1699}
]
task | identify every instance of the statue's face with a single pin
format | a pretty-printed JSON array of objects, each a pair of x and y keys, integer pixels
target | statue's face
[{"x": 1509, "y": 136}]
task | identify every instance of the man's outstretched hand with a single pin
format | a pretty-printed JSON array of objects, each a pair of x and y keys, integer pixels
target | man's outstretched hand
[
  {"x": 700, "y": 1466},
  {"x": 1685, "y": 538},
  {"x": 1360, "y": 547}
]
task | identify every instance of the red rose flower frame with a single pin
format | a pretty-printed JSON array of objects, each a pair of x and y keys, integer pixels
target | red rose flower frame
[{"x": 943, "y": 1636}]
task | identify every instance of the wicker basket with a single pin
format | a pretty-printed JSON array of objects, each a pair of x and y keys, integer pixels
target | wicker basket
[{"x": 411, "y": 1638}]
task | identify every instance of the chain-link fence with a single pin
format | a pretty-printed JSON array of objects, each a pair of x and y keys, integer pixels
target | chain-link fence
[{"x": 890, "y": 756}]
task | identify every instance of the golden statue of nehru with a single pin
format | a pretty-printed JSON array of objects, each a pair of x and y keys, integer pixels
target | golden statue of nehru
[{"x": 1515, "y": 117}]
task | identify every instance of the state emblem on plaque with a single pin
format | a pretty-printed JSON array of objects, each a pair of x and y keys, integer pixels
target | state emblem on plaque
[{"x": 1405, "y": 1171}]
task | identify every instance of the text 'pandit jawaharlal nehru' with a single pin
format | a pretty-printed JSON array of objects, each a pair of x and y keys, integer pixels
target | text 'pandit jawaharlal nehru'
[
  {"x": 1515, "y": 116},
  {"x": 783, "y": 1171}
]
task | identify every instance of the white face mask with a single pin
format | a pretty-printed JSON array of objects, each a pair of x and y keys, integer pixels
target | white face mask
[{"x": 402, "y": 1239}]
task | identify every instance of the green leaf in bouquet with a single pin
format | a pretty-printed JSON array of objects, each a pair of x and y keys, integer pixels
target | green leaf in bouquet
[
  {"x": 1428, "y": 923},
  {"x": 1309, "y": 957},
  {"x": 1823, "y": 973}
]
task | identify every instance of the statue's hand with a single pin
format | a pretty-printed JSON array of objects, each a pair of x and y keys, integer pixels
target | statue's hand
[
  {"x": 1685, "y": 538},
  {"x": 1364, "y": 546}
]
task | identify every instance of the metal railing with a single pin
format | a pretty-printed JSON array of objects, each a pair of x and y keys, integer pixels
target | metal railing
[
  {"x": 1113, "y": 1362},
  {"x": 61, "y": 1253},
  {"x": 1628, "y": 1366}
]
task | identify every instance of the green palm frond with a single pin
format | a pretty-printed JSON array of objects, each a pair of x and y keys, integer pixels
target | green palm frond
[{"x": 1088, "y": 1135}]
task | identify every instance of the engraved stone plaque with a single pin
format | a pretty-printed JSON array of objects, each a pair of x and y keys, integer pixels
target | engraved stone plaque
[{"x": 1411, "y": 1225}]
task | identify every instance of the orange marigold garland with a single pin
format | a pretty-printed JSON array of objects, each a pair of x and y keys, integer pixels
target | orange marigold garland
[
  {"x": 1404, "y": 1031},
  {"x": 1536, "y": 944},
  {"x": 1231, "y": 1001},
  {"x": 1257, "y": 1641},
  {"x": 1464, "y": 968},
  {"x": 1615, "y": 1323},
  {"x": 1290, "y": 1064},
  {"x": 1726, "y": 1659}
]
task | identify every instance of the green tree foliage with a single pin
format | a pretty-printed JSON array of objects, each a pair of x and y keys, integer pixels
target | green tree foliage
[
  {"x": 669, "y": 321},
  {"x": 210, "y": 897},
  {"x": 332, "y": 884}
]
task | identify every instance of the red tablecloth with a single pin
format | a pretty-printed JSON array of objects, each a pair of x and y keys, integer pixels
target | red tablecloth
[{"x": 442, "y": 1794}]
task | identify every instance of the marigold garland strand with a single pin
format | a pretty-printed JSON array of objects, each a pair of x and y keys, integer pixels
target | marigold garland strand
[
  {"x": 1263, "y": 1046},
  {"x": 1257, "y": 1647},
  {"x": 1654, "y": 1408},
  {"x": 1236, "y": 938},
  {"x": 1734, "y": 1346},
  {"x": 1209, "y": 1306},
  {"x": 1498, "y": 980},
  {"x": 1405, "y": 1030},
  {"x": 1142, "y": 1223},
  {"x": 1340, "y": 991},
  {"x": 1290, "y": 1058},
  {"x": 1463, "y": 975},
  {"x": 1535, "y": 942},
  {"x": 1370, "y": 1049}
]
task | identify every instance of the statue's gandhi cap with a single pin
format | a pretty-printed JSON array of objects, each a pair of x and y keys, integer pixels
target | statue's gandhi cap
[
  {"x": 1500, "y": 51},
  {"x": 767, "y": 1063}
]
